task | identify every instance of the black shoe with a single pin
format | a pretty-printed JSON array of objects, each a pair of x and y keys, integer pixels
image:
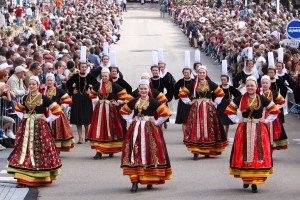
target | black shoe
[
  {"x": 86, "y": 140},
  {"x": 245, "y": 186},
  {"x": 21, "y": 186},
  {"x": 79, "y": 142},
  {"x": 254, "y": 188},
  {"x": 111, "y": 155},
  {"x": 134, "y": 187},
  {"x": 98, "y": 156},
  {"x": 195, "y": 157},
  {"x": 149, "y": 186},
  {"x": 206, "y": 156}
]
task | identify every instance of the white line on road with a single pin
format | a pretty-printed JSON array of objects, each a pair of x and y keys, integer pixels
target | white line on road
[
  {"x": 10, "y": 179},
  {"x": 3, "y": 172}
]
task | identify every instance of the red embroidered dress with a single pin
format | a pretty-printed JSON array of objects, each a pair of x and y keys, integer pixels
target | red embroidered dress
[
  {"x": 144, "y": 156},
  {"x": 61, "y": 130},
  {"x": 34, "y": 160},
  {"x": 105, "y": 134},
  {"x": 251, "y": 157},
  {"x": 204, "y": 133},
  {"x": 278, "y": 135}
]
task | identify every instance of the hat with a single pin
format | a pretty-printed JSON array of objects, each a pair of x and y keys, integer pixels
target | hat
[
  {"x": 144, "y": 82},
  {"x": 83, "y": 54},
  {"x": 224, "y": 67},
  {"x": 68, "y": 40},
  {"x": 113, "y": 59},
  {"x": 252, "y": 78},
  {"x": 154, "y": 58},
  {"x": 105, "y": 48},
  {"x": 145, "y": 74},
  {"x": 5, "y": 66},
  {"x": 20, "y": 69},
  {"x": 265, "y": 77},
  {"x": 48, "y": 57},
  {"x": 161, "y": 55},
  {"x": 250, "y": 53},
  {"x": 35, "y": 78},
  {"x": 187, "y": 59},
  {"x": 197, "y": 56},
  {"x": 280, "y": 55},
  {"x": 105, "y": 70},
  {"x": 271, "y": 60},
  {"x": 202, "y": 67},
  {"x": 50, "y": 75}
]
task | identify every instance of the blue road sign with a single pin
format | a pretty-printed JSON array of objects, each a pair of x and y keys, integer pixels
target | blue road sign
[{"x": 293, "y": 29}]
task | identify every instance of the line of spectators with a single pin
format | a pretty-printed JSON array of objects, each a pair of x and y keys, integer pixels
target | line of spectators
[
  {"x": 40, "y": 42},
  {"x": 228, "y": 31}
]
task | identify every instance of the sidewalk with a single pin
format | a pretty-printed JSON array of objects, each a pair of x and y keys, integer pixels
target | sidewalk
[{"x": 8, "y": 190}]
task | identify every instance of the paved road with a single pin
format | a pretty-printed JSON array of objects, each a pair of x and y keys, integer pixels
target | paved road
[{"x": 84, "y": 178}]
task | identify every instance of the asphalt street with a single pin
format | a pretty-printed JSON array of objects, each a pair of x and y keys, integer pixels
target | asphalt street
[{"x": 208, "y": 178}]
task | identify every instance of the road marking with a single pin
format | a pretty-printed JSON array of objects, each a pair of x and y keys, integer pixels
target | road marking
[
  {"x": 230, "y": 140},
  {"x": 296, "y": 140},
  {"x": 3, "y": 172},
  {"x": 7, "y": 179}
]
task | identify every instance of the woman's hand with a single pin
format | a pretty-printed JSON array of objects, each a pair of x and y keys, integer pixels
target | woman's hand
[
  {"x": 193, "y": 101},
  {"x": 114, "y": 102},
  {"x": 75, "y": 91}
]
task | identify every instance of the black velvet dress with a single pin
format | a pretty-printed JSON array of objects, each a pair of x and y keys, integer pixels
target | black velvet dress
[
  {"x": 182, "y": 108},
  {"x": 82, "y": 107}
]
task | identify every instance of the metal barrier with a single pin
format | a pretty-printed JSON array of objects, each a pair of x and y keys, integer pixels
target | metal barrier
[{"x": 295, "y": 108}]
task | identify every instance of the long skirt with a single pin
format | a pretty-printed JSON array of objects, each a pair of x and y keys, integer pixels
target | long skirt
[
  {"x": 34, "y": 161},
  {"x": 182, "y": 112},
  {"x": 204, "y": 133},
  {"x": 260, "y": 164},
  {"x": 106, "y": 134},
  {"x": 81, "y": 109},
  {"x": 62, "y": 133},
  {"x": 278, "y": 137},
  {"x": 144, "y": 156}
]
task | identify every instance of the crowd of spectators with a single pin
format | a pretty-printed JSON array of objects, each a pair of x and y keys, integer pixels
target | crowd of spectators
[{"x": 36, "y": 40}]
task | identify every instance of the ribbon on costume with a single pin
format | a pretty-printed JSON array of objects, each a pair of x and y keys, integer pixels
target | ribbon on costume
[
  {"x": 103, "y": 103},
  {"x": 251, "y": 132},
  {"x": 28, "y": 137},
  {"x": 140, "y": 121}
]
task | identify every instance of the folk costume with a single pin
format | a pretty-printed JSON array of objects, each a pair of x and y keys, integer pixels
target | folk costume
[
  {"x": 182, "y": 108},
  {"x": 278, "y": 137},
  {"x": 251, "y": 157},
  {"x": 204, "y": 133},
  {"x": 34, "y": 160},
  {"x": 106, "y": 134},
  {"x": 82, "y": 108},
  {"x": 144, "y": 156},
  {"x": 61, "y": 130}
]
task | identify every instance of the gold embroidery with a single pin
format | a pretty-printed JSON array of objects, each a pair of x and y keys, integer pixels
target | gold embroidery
[
  {"x": 51, "y": 92},
  {"x": 32, "y": 102}
]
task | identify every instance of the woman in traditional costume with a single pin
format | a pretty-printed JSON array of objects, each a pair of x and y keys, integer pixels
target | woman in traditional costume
[
  {"x": 251, "y": 157},
  {"x": 240, "y": 78},
  {"x": 230, "y": 93},
  {"x": 144, "y": 156},
  {"x": 82, "y": 108},
  {"x": 61, "y": 130},
  {"x": 204, "y": 133},
  {"x": 34, "y": 160},
  {"x": 182, "y": 108},
  {"x": 278, "y": 136},
  {"x": 153, "y": 93},
  {"x": 106, "y": 134}
]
